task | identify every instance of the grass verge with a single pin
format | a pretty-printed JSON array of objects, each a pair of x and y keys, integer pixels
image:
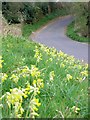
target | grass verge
[
  {"x": 73, "y": 35},
  {"x": 65, "y": 79}
]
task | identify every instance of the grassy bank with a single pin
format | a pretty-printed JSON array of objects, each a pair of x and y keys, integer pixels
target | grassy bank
[
  {"x": 29, "y": 28},
  {"x": 74, "y": 35},
  {"x": 64, "y": 94}
]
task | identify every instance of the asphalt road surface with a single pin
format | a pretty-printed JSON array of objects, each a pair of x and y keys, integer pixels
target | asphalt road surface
[{"x": 53, "y": 35}]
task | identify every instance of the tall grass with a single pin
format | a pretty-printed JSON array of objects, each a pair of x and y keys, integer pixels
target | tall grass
[{"x": 65, "y": 79}]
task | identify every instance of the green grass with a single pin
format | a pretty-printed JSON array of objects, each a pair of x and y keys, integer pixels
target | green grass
[
  {"x": 59, "y": 95},
  {"x": 73, "y": 34},
  {"x": 29, "y": 28}
]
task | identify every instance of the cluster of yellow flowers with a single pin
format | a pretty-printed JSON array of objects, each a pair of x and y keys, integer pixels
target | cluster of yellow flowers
[
  {"x": 15, "y": 98},
  {"x": 34, "y": 103},
  {"x": 68, "y": 61},
  {"x": 30, "y": 91},
  {"x": 34, "y": 71},
  {"x": 3, "y": 77},
  {"x": 37, "y": 55}
]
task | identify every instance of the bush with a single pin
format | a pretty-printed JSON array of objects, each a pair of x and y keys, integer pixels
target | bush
[
  {"x": 9, "y": 13},
  {"x": 74, "y": 34}
]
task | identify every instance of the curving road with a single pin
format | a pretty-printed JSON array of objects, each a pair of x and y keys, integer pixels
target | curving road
[{"x": 53, "y": 35}]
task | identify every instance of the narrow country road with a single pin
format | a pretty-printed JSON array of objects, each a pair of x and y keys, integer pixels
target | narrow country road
[{"x": 53, "y": 35}]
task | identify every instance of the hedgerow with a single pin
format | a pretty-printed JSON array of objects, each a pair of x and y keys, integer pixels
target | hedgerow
[{"x": 74, "y": 34}]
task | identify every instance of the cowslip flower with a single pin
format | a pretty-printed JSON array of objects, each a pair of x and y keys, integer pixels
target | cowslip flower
[
  {"x": 34, "y": 103},
  {"x": 40, "y": 83},
  {"x": 34, "y": 71},
  {"x": 84, "y": 73},
  {"x": 62, "y": 65},
  {"x": 52, "y": 75},
  {"x": 37, "y": 55},
  {"x": 69, "y": 77},
  {"x": 1, "y": 61},
  {"x": 3, "y": 76},
  {"x": 15, "y": 78},
  {"x": 15, "y": 98},
  {"x": 76, "y": 109}
]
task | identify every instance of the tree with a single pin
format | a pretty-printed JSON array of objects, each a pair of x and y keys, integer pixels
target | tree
[{"x": 80, "y": 11}]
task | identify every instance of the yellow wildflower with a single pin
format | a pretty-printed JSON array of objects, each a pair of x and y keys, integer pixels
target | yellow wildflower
[
  {"x": 62, "y": 65},
  {"x": 34, "y": 82},
  {"x": 37, "y": 55},
  {"x": 52, "y": 75},
  {"x": 34, "y": 71},
  {"x": 69, "y": 77},
  {"x": 1, "y": 61},
  {"x": 75, "y": 109},
  {"x": 15, "y": 78},
  {"x": 36, "y": 101},
  {"x": 40, "y": 83},
  {"x": 84, "y": 73},
  {"x": 3, "y": 76},
  {"x": 35, "y": 108}
]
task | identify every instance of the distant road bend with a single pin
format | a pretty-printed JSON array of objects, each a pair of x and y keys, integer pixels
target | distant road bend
[{"x": 53, "y": 35}]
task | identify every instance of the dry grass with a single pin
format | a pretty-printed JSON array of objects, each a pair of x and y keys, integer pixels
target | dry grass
[{"x": 5, "y": 28}]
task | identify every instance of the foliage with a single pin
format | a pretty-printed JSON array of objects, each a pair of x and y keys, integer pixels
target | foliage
[
  {"x": 74, "y": 34},
  {"x": 11, "y": 12},
  {"x": 27, "y": 66},
  {"x": 80, "y": 10},
  {"x": 28, "y": 28},
  {"x": 29, "y": 12}
]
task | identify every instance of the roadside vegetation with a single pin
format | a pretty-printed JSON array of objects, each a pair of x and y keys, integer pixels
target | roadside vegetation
[
  {"x": 79, "y": 29},
  {"x": 27, "y": 29},
  {"x": 37, "y": 81},
  {"x": 40, "y": 82},
  {"x": 74, "y": 35}
]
